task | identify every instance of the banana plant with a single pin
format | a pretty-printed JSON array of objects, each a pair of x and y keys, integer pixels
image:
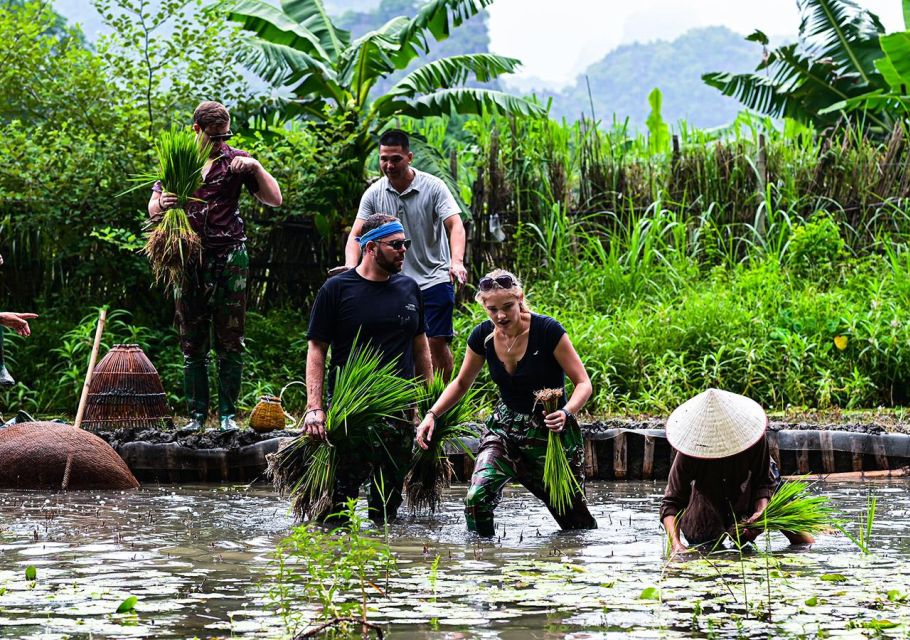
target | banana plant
[
  {"x": 324, "y": 71},
  {"x": 833, "y": 61}
]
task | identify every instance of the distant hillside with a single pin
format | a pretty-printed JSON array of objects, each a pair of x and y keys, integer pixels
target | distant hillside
[{"x": 621, "y": 81}]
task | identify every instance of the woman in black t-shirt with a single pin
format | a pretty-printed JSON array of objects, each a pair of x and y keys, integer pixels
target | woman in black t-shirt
[{"x": 525, "y": 352}]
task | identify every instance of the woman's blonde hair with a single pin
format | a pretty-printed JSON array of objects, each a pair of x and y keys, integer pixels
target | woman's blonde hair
[{"x": 516, "y": 289}]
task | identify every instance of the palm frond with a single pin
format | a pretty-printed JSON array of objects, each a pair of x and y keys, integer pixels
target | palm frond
[
  {"x": 312, "y": 16},
  {"x": 453, "y": 71},
  {"x": 464, "y": 101},
  {"x": 436, "y": 19},
  {"x": 273, "y": 25},
  {"x": 843, "y": 32}
]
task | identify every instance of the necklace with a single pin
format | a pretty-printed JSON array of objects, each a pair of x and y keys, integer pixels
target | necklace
[{"x": 514, "y": 340}]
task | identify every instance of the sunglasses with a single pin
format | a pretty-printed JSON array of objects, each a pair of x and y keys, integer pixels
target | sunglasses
[
  {"x": 397, "y": 245},
  {"x": 220, "y": 136},
  {"x": 503, "y": 282}
]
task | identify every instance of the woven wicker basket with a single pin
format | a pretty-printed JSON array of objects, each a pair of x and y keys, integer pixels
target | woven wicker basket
[
  {"x": 269, "y": 415},
  {"x": 126, "y": 391}
]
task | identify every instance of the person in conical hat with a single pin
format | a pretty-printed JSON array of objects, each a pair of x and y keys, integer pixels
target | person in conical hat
[{"x": 723, "y": 471}]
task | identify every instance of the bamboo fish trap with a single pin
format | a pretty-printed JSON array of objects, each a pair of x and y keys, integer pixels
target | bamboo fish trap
[{"x": 126, "y": 391}]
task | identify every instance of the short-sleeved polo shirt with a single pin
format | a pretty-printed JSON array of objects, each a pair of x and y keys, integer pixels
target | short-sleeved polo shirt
[{"x": 422, "y": 209}]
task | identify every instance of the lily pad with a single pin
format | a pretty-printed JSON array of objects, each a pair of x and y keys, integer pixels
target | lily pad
[
  {"x": 650, "y": 593},
  {"x": 127, "y": 605},
  {"x": 834, "y": 577}
]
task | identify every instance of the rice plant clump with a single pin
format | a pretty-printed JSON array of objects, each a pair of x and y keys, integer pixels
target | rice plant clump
[
  {"x": 365, "y": 393},
  {"x": 172, "y": 245},
  {"x": 795, "y": 509},
  {"x": 558, "y": 479},
  {"x": 431, "y": 471}
]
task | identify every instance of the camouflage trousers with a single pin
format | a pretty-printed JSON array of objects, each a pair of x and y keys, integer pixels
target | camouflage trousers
[
  {"x": 514, "y": 447},
  {"x": 212, "y": 300},
  {"x": 382, "y": 458}
]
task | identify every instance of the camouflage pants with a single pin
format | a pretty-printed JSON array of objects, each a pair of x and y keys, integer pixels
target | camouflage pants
[
  {"x": 211, "y": 300},
  {"x": 381, "y": 458},
  {"x": 513, "y": 447}
]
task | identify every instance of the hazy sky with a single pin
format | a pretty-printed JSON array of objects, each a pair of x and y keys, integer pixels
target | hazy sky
[{"x": 557, "y": 40}]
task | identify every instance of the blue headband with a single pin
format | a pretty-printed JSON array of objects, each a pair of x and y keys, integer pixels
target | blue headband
[{"x": 386, "y": 229}]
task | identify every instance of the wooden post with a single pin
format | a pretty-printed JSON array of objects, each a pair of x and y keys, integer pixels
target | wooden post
[
  {"x": 857, "y": 450},
  {"x": 647, "y": 460},
  {"x": 827, "y": 452},
  {"x": 91, "y": 368},
  {"x": 590, "y": 460},
  {"x": 881, "y": 456},
  {"x": 802, "y": 460},
  {"x": 619, "y": 456}
]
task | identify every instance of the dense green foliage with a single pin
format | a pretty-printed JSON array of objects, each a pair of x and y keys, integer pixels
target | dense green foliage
[{"x": 730, "y": 258}]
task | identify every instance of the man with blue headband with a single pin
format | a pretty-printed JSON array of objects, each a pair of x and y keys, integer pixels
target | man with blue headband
[
  {"x": 372, "y": 304},
  {"x": 431, "y": 218}
]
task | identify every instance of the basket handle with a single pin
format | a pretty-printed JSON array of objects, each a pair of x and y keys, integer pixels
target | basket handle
[{"x": 281, "y": 393}]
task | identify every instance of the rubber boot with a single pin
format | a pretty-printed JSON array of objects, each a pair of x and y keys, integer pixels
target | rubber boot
[
  {"x": 196, "y": 389},
  {"x": 230, "y": 371},
  {"x": 6, "y": 380}
]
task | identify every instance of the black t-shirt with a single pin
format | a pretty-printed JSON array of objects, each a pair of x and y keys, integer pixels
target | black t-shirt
[
  {"x": 388, "y": 315},
  {"x": 537, "y": 369}
]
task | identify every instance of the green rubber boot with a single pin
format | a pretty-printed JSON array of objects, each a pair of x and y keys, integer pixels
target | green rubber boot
[
  {"x": 6, "y": 380},
  {"x": 230, "y": 372},
  {"x": 196, "y": 389}
]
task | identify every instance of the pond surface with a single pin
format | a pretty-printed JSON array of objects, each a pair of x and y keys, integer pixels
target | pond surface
[{"x": 196, "y": 558}]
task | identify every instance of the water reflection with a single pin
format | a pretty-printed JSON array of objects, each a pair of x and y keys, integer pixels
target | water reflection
[{"x": 195, "y": 557}]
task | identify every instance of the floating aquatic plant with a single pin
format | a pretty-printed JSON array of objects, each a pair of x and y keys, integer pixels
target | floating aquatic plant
[
  {"x": 558, "y": 479},
  {"x": 365, "y": 393},
  {"x": 431, "y": 471}
]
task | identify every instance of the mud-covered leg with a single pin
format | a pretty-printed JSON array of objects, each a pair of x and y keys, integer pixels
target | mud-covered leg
[{"x": 492, "y": 470}]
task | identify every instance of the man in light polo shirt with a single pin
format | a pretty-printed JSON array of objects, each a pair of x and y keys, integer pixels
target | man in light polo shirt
[{"x": 432, "y": 220}]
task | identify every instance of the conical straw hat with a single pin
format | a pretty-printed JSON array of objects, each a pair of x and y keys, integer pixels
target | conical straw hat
[{"x": 716, "y": 424}]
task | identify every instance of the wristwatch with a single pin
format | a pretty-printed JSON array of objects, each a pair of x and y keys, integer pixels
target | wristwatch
[{"x": 569, "y": 414}]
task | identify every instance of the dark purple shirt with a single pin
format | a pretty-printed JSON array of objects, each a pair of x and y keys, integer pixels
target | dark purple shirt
[{"x": 216, "y": 215}]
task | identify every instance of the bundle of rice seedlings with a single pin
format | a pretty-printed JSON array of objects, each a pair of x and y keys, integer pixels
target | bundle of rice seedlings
[
  {"x": 558, "y": 479},
  {"x": 365, "y": 393},
  {"x": 793, "y": 508},
  {"x": 431, "y": 471},
  {"x": 171, "y": 243}
]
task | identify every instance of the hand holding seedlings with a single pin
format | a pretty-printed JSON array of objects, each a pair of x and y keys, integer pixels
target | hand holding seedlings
[
  {"x": 167, "y": 201},
  {"x": 314, "y": 424},
  {"x": 556, "y": 421},
  {"x": 18, "y": 322},
  {"x": 425, "y": 431}
]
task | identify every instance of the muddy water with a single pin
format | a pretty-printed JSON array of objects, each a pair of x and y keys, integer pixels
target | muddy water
[{"x": 196, "y": 559}]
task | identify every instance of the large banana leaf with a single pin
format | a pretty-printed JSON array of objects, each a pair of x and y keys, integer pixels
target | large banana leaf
[
  {"x": 311, "y": 15},
  {"x": 370, "y": 58},
  {"x": 436, "y": 18},
  {"x": 281, "y": 65},
  {"x": 273, "y": 25},
  {"x": 839, "y": 30},
  {"x": 453, "y": 71},
  {"x": 465, "y": 101}
]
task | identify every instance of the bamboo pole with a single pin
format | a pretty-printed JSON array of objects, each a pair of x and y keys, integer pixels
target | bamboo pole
[
  {"x": 854, "y": 475},
  {"x": 102, "y": 316}
]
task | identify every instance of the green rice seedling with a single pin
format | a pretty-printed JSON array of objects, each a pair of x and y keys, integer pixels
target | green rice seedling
[
  {"x": 366, "y": 392},
  {"x": 864, "y": 533},
  {"x": 558, "y": 479},
  {"x": 431, "y": 472},
  {"x": 793, "y": 508},
  {"x": 171, "y": 244}
]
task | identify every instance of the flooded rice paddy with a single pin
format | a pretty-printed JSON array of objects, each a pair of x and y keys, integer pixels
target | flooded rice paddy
[{"x": 196, "y": 559}]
